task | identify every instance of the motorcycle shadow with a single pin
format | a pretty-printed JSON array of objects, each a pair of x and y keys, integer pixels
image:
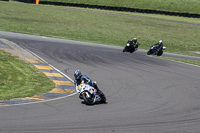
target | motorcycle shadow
[{"x": 82, "y": 102}]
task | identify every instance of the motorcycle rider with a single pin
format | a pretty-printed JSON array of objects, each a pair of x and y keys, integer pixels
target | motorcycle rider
[
  {"x": 159, "y": 45},
  {"x": 79, "y": 78},
  {"x": 135, "y": 43}
]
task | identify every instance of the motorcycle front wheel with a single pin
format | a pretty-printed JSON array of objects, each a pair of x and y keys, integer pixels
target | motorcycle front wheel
[
  {"x": 88, "y": 100},
  {"x": 149, "y": 52}
]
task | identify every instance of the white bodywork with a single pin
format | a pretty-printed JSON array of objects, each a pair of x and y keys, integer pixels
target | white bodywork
[{"x": 89, "y": 89}]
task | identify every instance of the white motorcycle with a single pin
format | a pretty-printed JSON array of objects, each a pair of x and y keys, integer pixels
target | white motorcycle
[{"x": 89, "y": 94}]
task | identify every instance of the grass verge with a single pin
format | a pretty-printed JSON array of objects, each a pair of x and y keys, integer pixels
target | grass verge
[
  {"x": 21, "y": 79},
  {"x": 194, "y": 62}
]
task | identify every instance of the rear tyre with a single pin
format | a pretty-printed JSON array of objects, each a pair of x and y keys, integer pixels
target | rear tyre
[
  {"x": 103, "y": 98},
  {"x": 132, "y": 51},
  {"x": 160, "y": 53}
]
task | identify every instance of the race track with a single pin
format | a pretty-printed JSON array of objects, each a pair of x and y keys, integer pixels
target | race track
[{"x": 144, "y": 94}]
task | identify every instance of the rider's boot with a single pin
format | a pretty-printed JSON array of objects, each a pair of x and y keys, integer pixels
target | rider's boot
[{"x": 136, "y": 46}]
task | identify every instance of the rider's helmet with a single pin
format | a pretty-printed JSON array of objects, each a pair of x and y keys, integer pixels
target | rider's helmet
[
  {"x": 134, "y": 40},
  {"x": 77, "y": 74},
  {"x": 160, "y": 42}
]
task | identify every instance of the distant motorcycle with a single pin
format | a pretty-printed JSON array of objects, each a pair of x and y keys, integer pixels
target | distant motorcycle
[
  {"x": 129, "y": 47},
  {"x": 155, "y": 51},
  {"x": 89, "y": 94}
]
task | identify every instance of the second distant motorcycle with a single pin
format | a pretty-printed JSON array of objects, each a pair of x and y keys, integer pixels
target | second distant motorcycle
[{"x": 155, "y": 51}]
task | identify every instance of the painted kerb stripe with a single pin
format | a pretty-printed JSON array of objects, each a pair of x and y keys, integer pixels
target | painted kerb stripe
[
  {"x": 68, "y": 83},
  {"x": 53, "y": 74},
  {"x": 34, "y": 61},
  {"x": 43, "y": 67},
  {"x": 62, "y": 91},
  {"x": 37, "y": 98}
]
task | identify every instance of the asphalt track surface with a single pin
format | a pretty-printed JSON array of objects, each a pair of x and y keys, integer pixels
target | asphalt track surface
[{"x": 144, "y": 94}]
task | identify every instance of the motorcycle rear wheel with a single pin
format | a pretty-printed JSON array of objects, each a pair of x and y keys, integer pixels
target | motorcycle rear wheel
[
  {"x": 103, "y": 98},
  {"x": 160, "y": 53}
]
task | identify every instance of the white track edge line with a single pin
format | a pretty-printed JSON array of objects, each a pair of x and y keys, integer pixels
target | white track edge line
[
  {"x": 50, "y": 65},
  {"x": 6, "y": 105}
]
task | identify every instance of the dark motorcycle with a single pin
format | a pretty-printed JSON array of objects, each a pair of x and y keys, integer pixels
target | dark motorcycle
[
  {"x": 155, "y": 51},
  {"x": 129, "y": 47}
]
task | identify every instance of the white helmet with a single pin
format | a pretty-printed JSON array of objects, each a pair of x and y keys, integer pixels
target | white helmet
[{"x": 160, "y": 42}]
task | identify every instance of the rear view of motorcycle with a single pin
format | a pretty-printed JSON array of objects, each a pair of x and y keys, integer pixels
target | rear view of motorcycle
[
  {"x": 154, "y": 50},
  {"x": 90, "y": 95}
]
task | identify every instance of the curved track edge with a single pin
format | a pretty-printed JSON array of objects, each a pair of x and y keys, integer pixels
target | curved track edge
[{"x": 63, "y": 84}]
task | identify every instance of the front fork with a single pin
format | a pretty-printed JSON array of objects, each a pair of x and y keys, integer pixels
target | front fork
[{"x": 87, "y": 94}]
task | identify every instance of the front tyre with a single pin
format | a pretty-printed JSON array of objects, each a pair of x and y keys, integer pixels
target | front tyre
[
  {"x": 88, "y": 99},
  {"x": 149, "y": 52}
]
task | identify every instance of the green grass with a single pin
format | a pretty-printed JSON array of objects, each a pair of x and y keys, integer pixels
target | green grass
[
  {"x": 194, "y": 62},
  {"x": 100, "y": 27},
  {"x": 183, "y": 6},
  {"x": 166, "y": 17},
  {"x": 21, "y": 79}
]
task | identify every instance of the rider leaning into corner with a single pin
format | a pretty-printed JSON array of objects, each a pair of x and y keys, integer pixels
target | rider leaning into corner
[
  {"x": 134, "y": 42},
  {"x": 159, "y": 44},
  {"x": 79, "y": 78}
]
